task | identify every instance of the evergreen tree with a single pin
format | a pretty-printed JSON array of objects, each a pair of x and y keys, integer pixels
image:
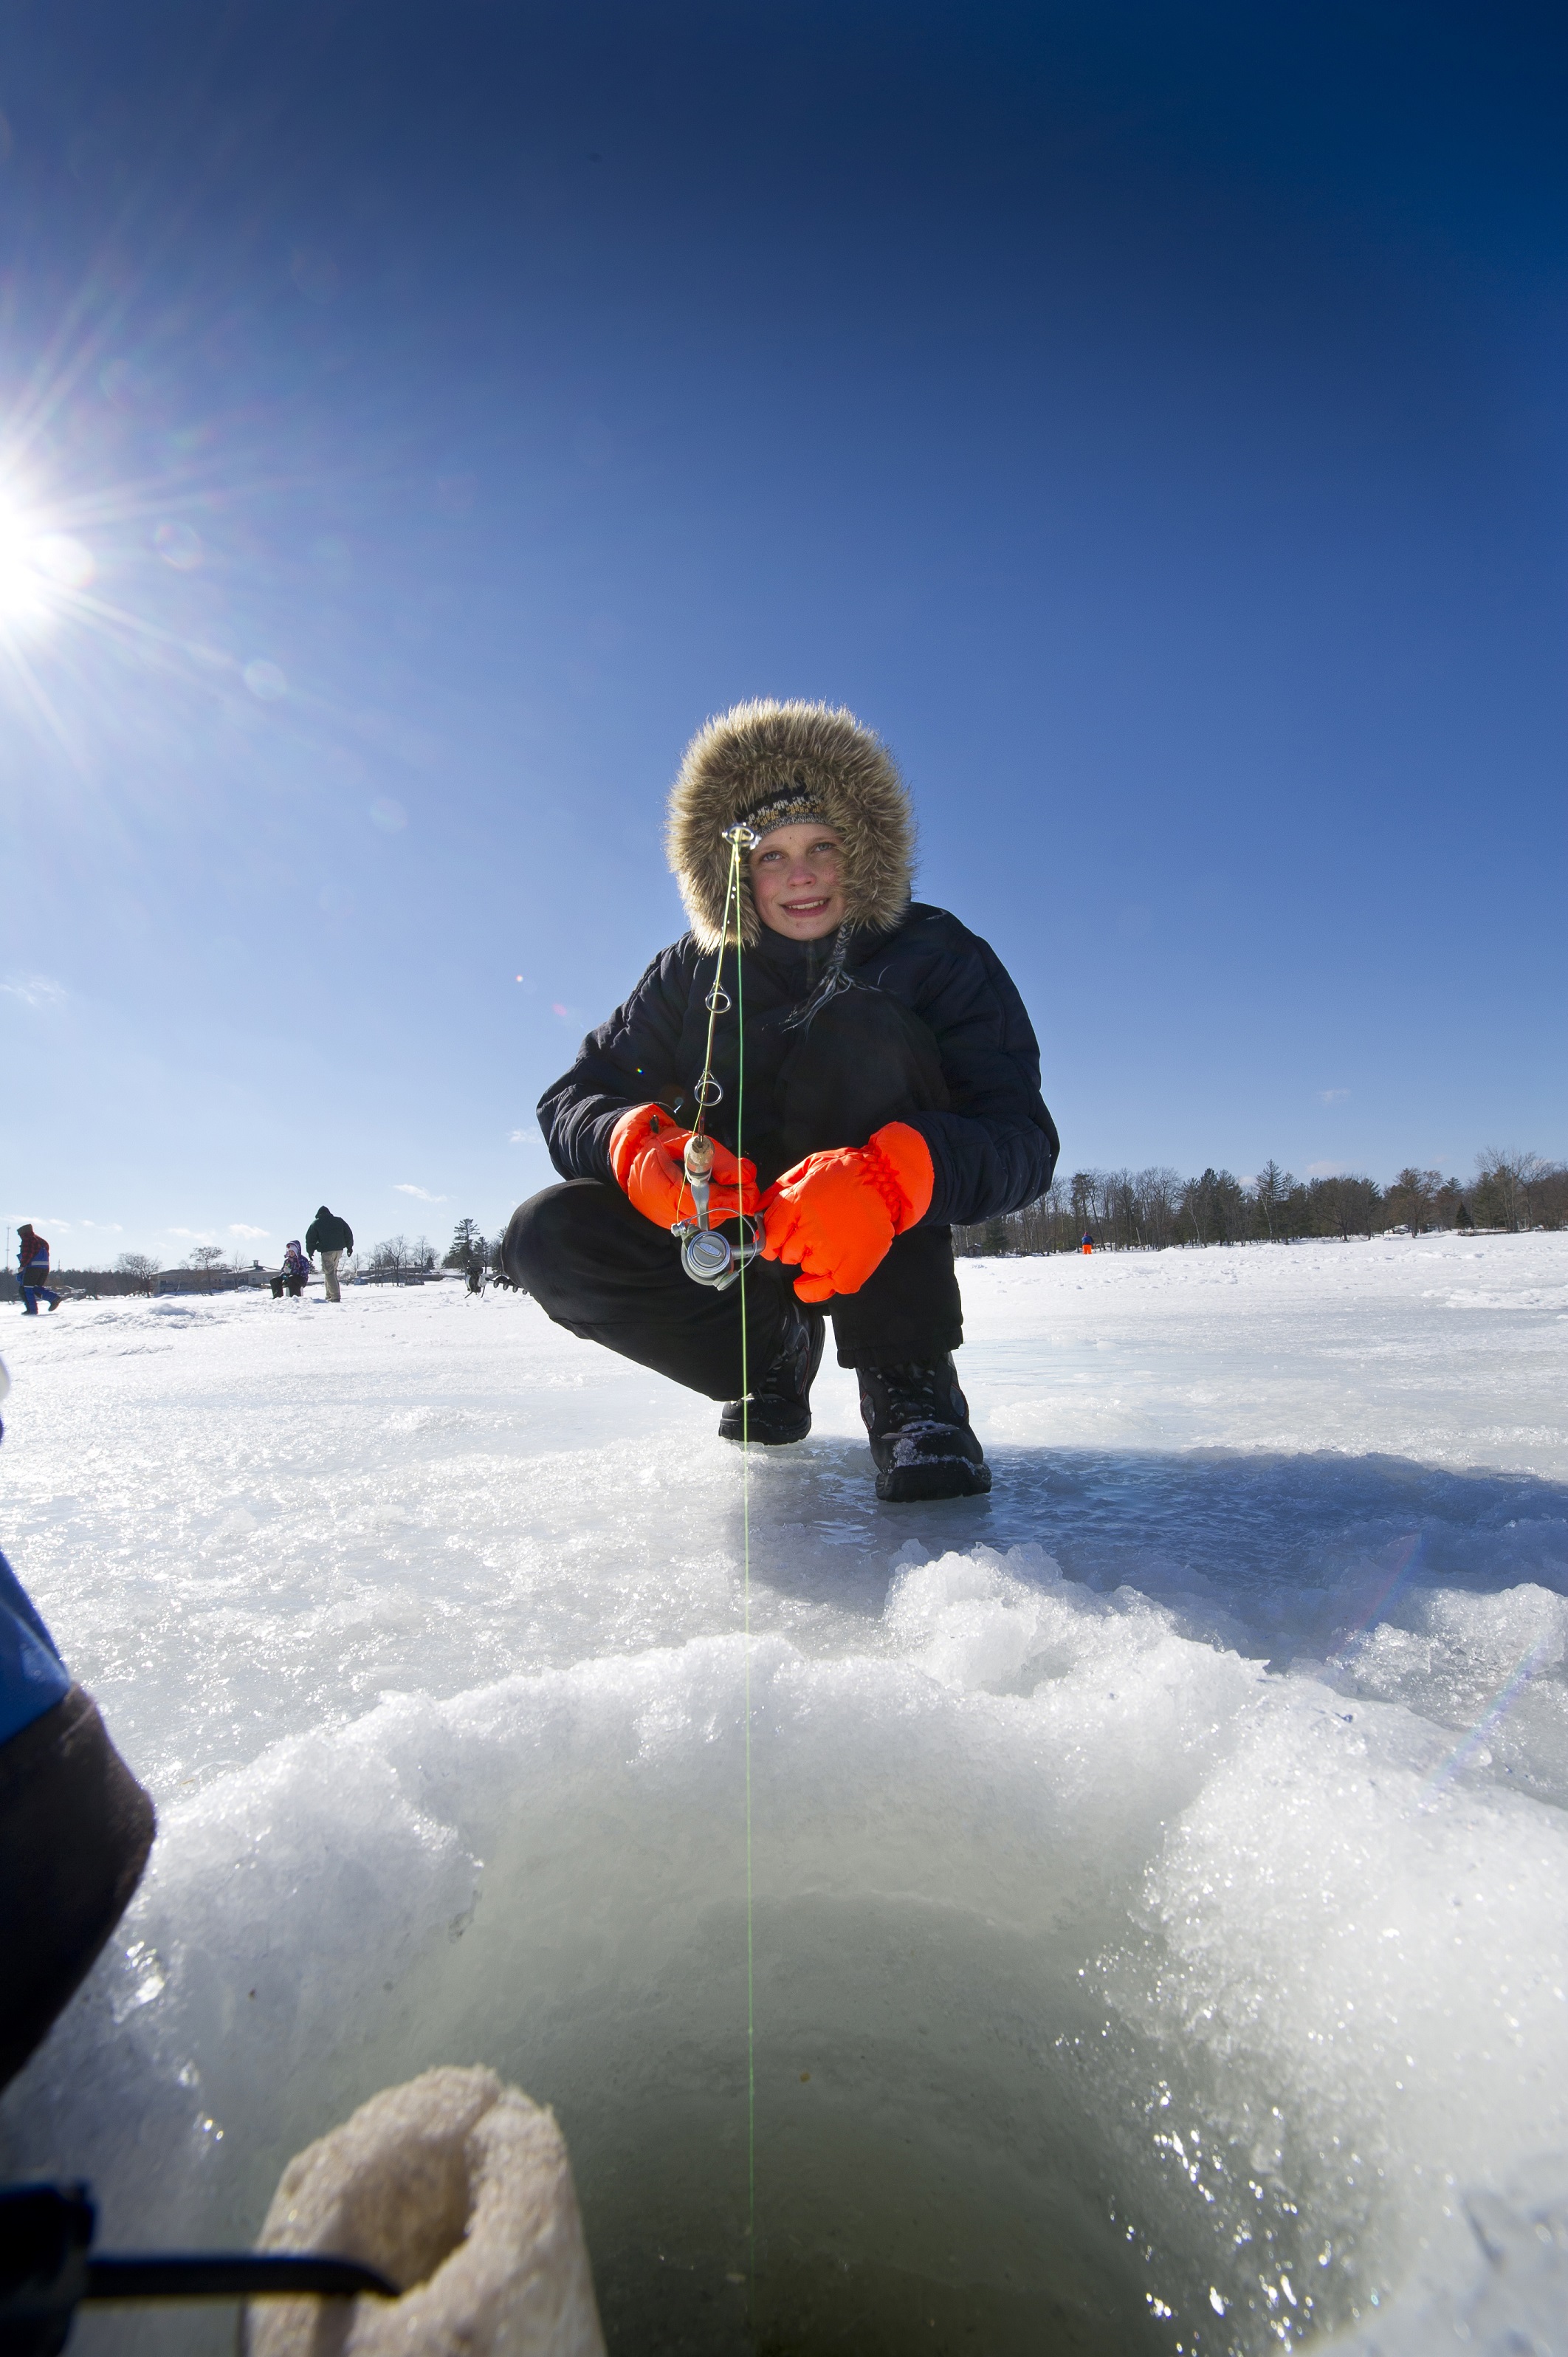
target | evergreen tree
[
  {"x": 467, "y": 1246},
  {"x": 1273, "y": 1186}
]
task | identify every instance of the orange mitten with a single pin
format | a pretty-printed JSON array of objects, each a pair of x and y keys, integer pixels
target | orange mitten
[
  {"x": 834, "y": 1215},
  {"x": 646, "y": 1149}
]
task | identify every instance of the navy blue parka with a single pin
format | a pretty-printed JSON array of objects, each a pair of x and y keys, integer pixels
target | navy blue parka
[{"x": 993, "y": 1145}]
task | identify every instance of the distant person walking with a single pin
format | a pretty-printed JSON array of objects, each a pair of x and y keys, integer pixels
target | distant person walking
[
  {"x": 1088, "y": 1242},
  {"x": 33, "y": 1269},
  {"x": 331, "y": 1237}
]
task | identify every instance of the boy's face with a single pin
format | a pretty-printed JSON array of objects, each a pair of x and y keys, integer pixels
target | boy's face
[{"x": 795, "y": 881}]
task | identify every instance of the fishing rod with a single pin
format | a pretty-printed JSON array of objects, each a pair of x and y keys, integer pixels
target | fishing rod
[
  {"x": 707, "y": 1255},
  {"x": 47, "y": 2271}
]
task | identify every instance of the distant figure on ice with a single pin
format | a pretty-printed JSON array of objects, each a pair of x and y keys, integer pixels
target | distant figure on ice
[
  {"x": 1088, "y": 1242},
  {"x": 33, "y": 1270},
  {"x": 331, "y": 1237},
  {"x": 891, "y": 1088},
  {"x": 296, "y": 1269},
  {"x": 75, "y": 1827}
]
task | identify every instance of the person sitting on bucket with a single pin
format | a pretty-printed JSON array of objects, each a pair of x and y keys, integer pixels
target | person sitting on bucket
[{"x": 891, "y": 1088}]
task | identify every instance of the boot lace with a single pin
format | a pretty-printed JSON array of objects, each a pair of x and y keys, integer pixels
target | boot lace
[{"x": 918, "y": 1394}]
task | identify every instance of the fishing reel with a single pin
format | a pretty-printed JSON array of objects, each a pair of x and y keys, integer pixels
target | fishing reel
[{"x": 707, "y": 1255}]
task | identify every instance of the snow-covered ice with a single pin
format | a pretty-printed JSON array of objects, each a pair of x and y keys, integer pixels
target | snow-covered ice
[{"x": 1159, "y": 1866}]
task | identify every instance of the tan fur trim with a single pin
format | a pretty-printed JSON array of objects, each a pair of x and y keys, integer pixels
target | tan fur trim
[{"x": 756, "y": 752}]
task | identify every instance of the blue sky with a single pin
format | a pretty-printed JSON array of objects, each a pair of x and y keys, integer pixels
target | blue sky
[{"x": 414, "y": 421}]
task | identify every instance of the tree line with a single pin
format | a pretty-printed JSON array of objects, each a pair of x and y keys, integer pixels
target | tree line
[
  {"x": 469, "y": 1249},
  {"x": 1147, "y": 1210},
  {"x": 399, "y": 1253},
  {"x": 1126, "y": 1210}
]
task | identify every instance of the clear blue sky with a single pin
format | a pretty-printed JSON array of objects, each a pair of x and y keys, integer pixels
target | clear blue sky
[{"x": 417, "y": 419}]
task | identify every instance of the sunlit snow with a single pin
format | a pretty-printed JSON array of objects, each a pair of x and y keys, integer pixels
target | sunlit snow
[{"x": 1159, "y": 1866}]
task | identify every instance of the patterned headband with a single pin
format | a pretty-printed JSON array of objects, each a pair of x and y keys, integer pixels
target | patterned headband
[{"x": 791, "y": 806}]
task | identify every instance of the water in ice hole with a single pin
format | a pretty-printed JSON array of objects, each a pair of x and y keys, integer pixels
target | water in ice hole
[{"x": 1159, "y": 1867}]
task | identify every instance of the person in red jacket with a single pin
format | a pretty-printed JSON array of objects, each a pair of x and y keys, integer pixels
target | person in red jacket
[{"x": 33, "y": 1269}]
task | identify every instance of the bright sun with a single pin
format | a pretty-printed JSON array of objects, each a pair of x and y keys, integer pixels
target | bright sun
[
  {"x": 39, "y": 569},
  {"x": 17, "y": 577}
]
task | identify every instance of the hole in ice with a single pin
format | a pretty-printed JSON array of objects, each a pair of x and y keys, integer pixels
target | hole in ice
[{"x": 930, "y": 2176}]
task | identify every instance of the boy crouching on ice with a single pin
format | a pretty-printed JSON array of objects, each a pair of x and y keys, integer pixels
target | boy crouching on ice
[{"x": 892, "y": 1088}]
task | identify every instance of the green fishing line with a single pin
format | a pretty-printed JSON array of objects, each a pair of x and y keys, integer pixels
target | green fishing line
[
  {"x": 746, "y": 1590},
  {"x": 716, "y": 999}
]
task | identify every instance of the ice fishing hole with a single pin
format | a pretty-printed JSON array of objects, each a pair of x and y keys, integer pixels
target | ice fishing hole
[
  {"x": 961, "y": 2138},
  {"x": 976, "y": 2129},
  {"x": 929, "y": 2173}
]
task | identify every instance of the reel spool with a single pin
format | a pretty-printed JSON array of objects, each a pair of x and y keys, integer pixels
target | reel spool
[{"x": 707, "y": 1255}]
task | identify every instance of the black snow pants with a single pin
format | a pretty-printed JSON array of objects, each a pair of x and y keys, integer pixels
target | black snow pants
[{"x": 597, "y": 1267}]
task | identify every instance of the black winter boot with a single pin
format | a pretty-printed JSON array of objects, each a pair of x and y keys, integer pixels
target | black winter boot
[
  {"x": 780, "y": 1407},
  {"x": 918, "y": 1422}
]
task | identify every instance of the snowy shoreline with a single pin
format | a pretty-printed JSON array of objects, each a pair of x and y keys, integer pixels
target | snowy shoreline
[{"x": 1228, "y": 1740}]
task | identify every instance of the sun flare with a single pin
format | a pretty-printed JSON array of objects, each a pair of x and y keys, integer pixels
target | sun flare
[
  {"x": 19, "y": 579},
  {"x": 39, "y": 570}
]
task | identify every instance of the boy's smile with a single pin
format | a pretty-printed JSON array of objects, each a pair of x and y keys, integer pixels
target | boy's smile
[{"x": 796, "y": 881}]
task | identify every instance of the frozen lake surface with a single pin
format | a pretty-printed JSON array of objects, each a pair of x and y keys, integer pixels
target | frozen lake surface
[{"x": 1161, "y": 1865}]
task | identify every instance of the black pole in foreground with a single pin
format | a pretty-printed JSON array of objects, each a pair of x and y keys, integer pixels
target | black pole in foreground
[
  {"x": 229, "y": 2275},
  {"x": 46, "y": 2274}
]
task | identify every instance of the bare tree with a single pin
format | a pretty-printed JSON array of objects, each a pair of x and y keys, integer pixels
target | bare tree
[
  {"x": 1118, "y": 1209},
  {"x": 397, "y": 1254},
  {"x": 139, "y": 1267},
  {"x": 1159, "y": 1196},
  {"x": 204, "y": 1257},
  {"x": 1506, "y": 1179}
]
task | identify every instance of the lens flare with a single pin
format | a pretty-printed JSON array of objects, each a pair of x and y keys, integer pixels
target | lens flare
[
  {"x": 94, "y": 561},
  {"x": 20, "y": 586},
  {"x": 147, "y": 594},
  {"x": 63, "y": 561},
  {"x": 40, "y": 570},
  {"x": 178, "y": 546}
]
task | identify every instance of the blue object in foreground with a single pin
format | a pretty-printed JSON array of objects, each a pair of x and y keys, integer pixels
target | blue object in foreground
[{"x": 32, "y": 1678}]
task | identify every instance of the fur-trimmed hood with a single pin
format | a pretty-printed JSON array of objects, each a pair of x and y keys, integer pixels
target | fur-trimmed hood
[{"x": 764, "y": 752}]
